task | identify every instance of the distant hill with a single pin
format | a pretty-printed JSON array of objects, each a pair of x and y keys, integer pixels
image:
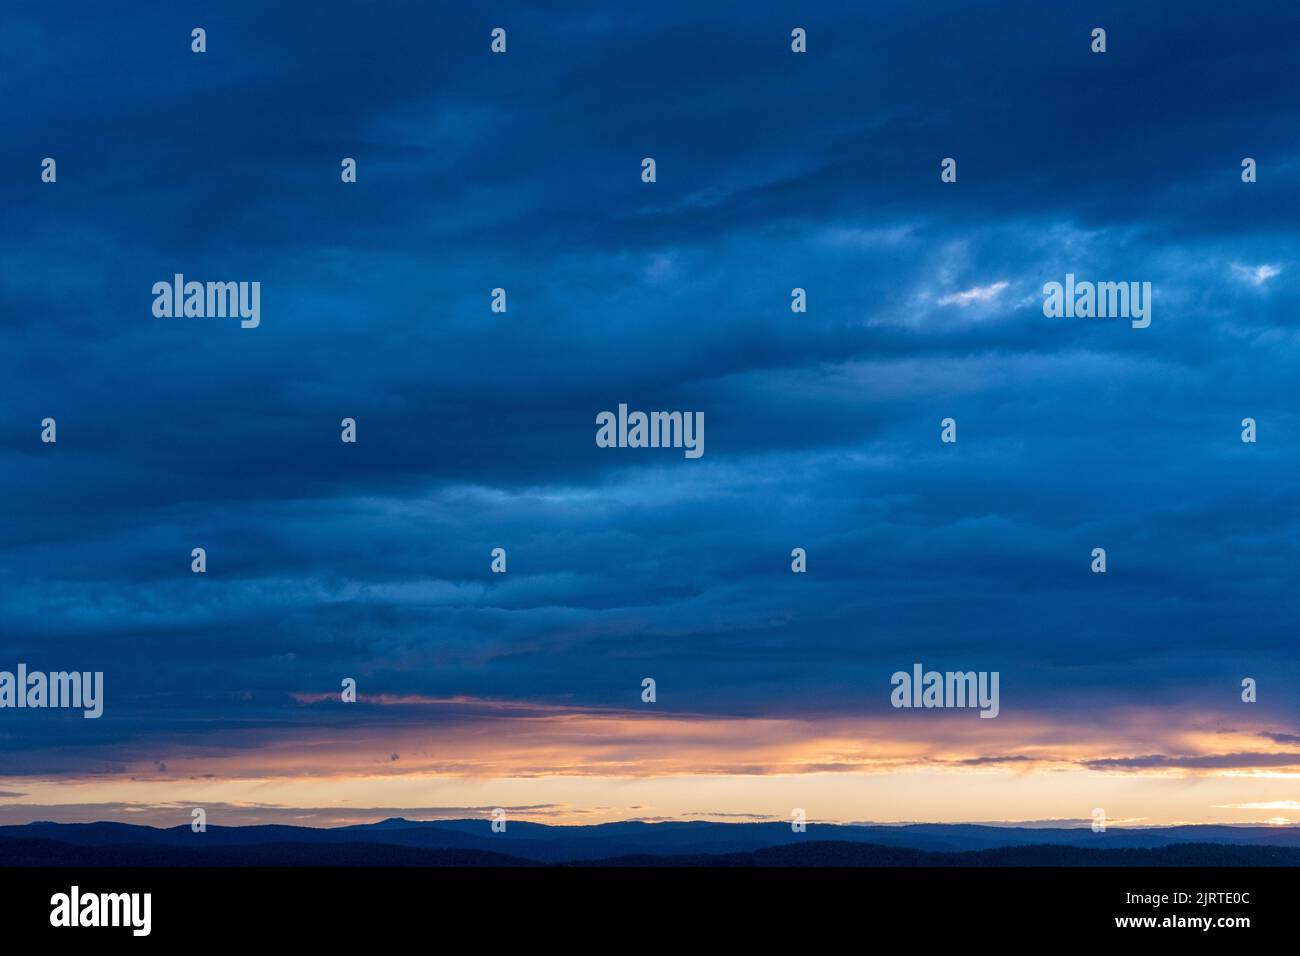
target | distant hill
[
  {"x": 38, "y": 852},
  {"x": 539, "y": 843},
  {"x": 865, "y": 854},
  {"x": 19, "y": 852},
  {"x": 542, "y": 843}
]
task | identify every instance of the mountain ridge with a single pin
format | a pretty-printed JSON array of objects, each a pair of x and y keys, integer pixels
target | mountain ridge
[
  {"x": 37, "y": 852},
  {"x": 536, "y": 843}
]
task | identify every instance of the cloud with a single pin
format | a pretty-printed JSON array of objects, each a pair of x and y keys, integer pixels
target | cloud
[
  {"x": 162, "y": 814},
  {"x": 476, "y": 429},
  {"x": 1236, "y": 761},
  {"x": 1281, "y": 738},
  {"x": 985, "y": 293},
  {"x": 1256, "y": 275}
]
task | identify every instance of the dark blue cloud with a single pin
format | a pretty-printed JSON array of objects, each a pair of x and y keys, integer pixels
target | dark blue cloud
[{"x": 476, "y": 429}]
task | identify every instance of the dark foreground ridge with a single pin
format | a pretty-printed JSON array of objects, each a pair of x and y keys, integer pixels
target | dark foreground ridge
[
  {"x": 52, "y": 853},
  {"x": 541, "y": 843}
]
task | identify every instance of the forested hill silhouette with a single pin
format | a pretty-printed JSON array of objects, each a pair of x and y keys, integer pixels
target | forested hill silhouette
[
  {"x": 38, "y": 852},
  {"x": 866, "y": 854},
  {"x": 400, "y": 842}
]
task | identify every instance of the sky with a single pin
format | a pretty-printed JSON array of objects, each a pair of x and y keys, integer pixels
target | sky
[{"x": 476, "y": 429}]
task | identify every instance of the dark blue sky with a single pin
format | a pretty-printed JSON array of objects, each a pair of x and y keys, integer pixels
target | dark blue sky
[{"x": 476, "y": 430}]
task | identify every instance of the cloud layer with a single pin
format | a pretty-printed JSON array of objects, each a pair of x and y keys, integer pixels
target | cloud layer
[{"x": 476, "y": 429}]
